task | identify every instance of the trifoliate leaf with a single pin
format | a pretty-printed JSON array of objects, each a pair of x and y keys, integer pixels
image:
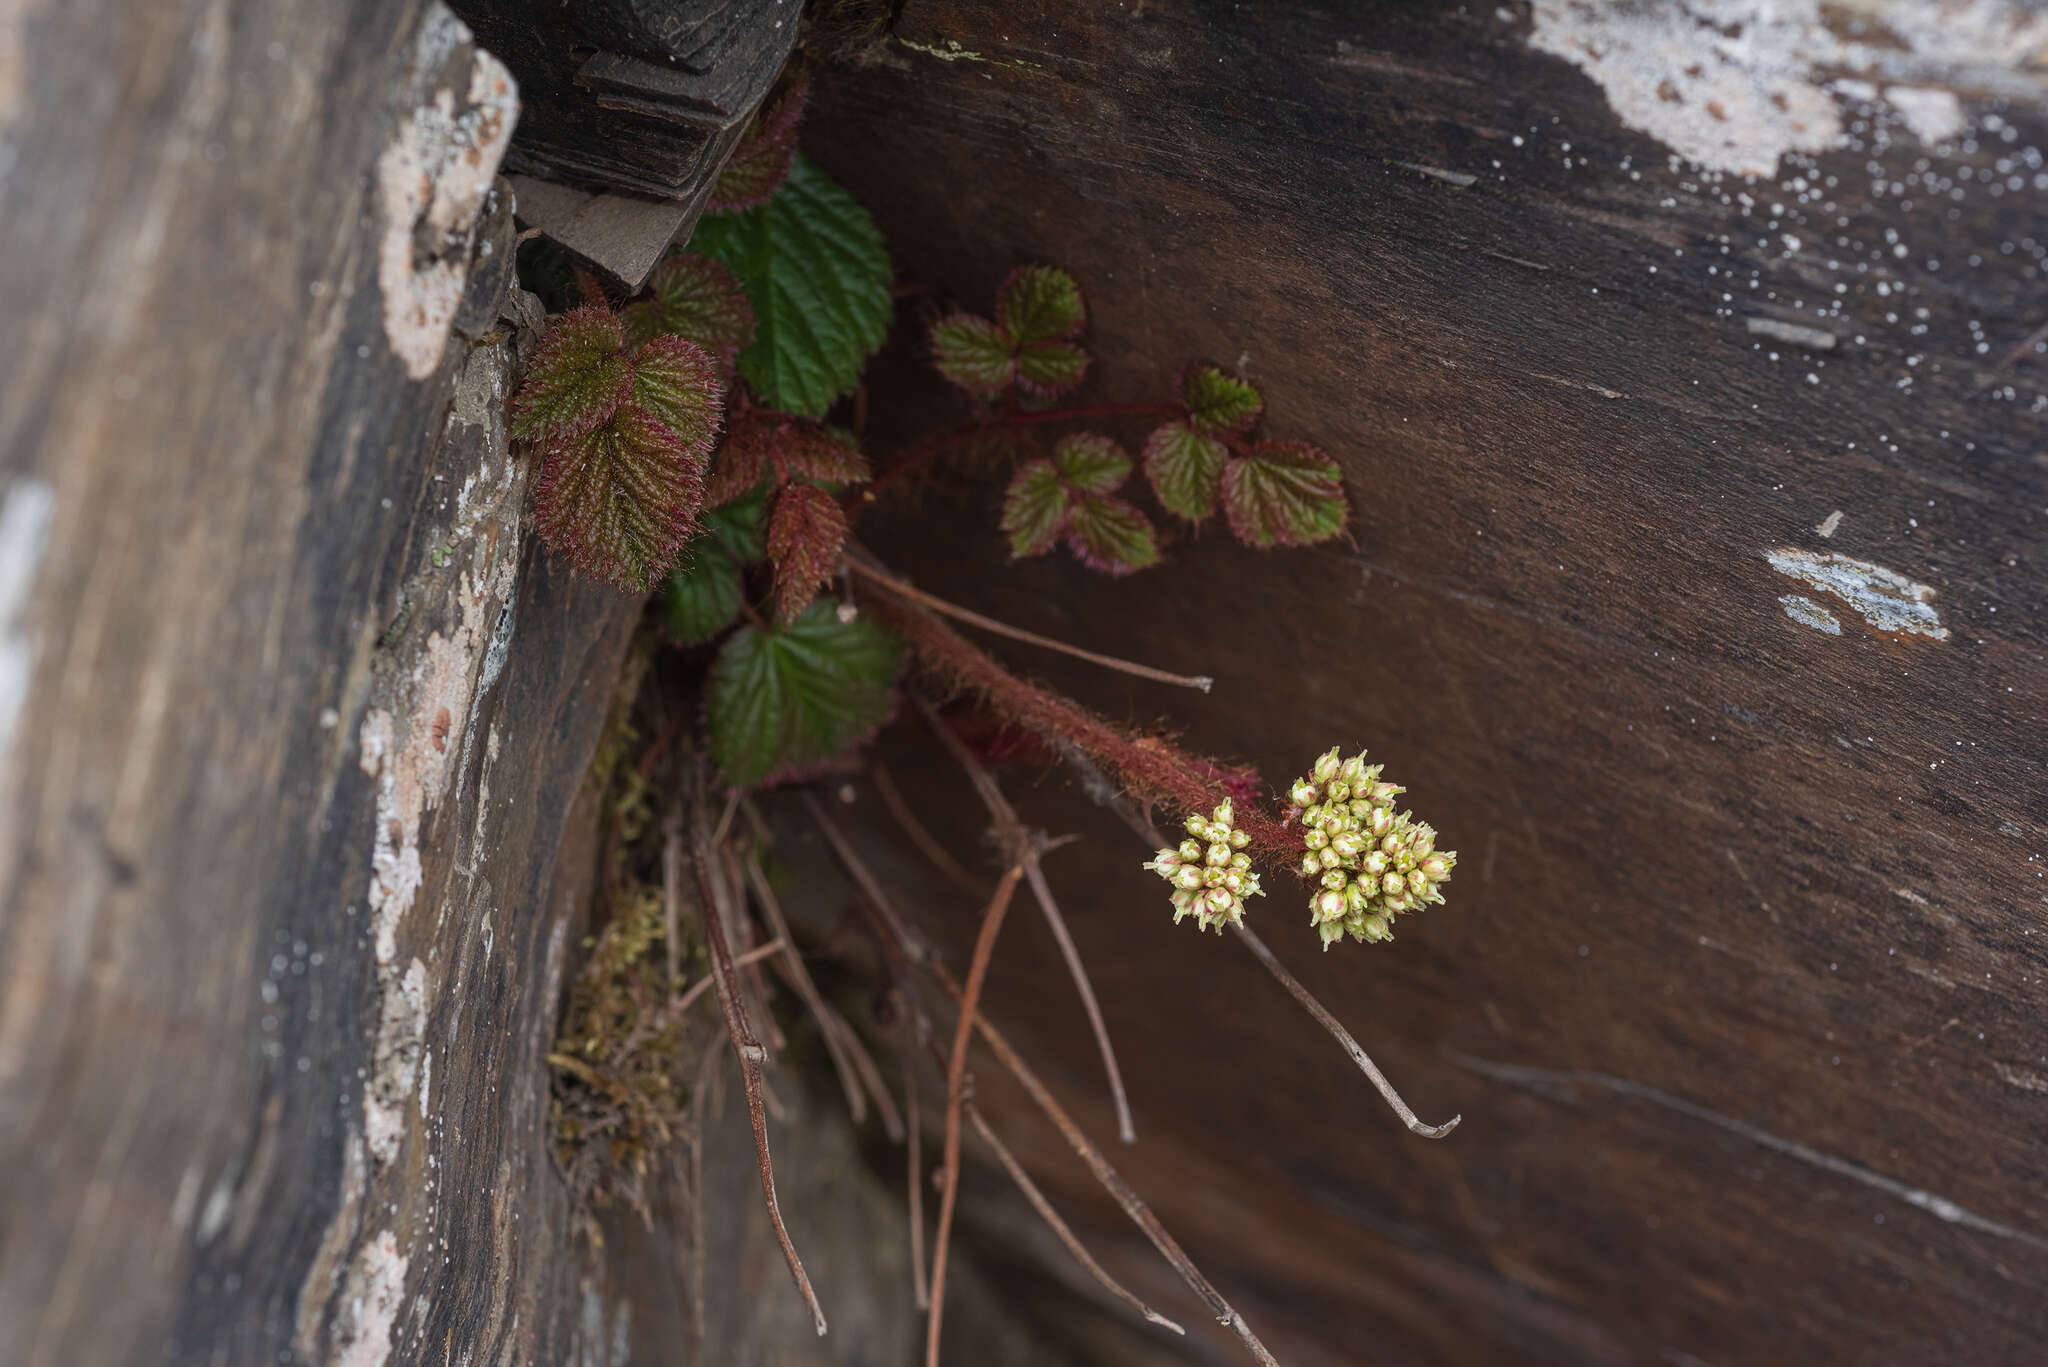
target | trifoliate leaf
[
  {"x": 811, "y": 450},
  {"x": 1039, "y": 304},
  {"x": 696, "y": 297},
  {"x": 806, "y": 530},
  {"x": 1051, "y": 368},
  {"x": 812, "y": 263},
  {"x": 619, "y": 502},
  {"x": 741, "y": 461},
  {"x": 1035, "y": 509},
  {"x": 1283, "y": 493},
  {"x": 786, "y": 448},
  {"x": 1186, "y": 469},
  {"x": 760, "y": 162},
  {"x": 1090, "y": 462},
  {"x": 677, "y": 381},
  {"x": 703, "y": 597},
  {"x": 973, "y": 353},
  {"x": 737, "y": 527},
  {"x": 1110, "y": 535},
  {"x": 1218, "y": 403},
  {"x": 782, "y": 703},
  {"x": 577, "y": 378}
]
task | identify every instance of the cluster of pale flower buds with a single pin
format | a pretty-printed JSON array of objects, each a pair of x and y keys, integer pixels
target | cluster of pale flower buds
[
  {"x": 1367, "y": 863},
  {"x": 1210, "y": 872}
]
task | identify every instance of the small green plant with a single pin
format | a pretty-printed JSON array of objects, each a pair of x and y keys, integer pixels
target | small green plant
[{"x": 698, "y": 439}]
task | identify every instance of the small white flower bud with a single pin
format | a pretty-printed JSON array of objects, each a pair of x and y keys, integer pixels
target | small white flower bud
[
  {"x": 1190, "y": 851},
  {"x": 1239, "y": 839},
  {"x": 1303, "y": 793},
  {"x": 1188, "y": 877},
  {"x": 1394, "y": 884},
  {"x": 1329, "y": 906},
  {"x": 1348, "y": 844},
  {"x": 1328, "y": 858},
  {"x": 1326, "y": 766}
]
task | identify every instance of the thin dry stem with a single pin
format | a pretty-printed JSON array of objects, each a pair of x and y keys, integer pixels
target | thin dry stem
[
  {"x": 1059, "y": 1227},
  {"x": 942, "y": 858},
  {"x": 703, "y": 984},
  {"x": 800, "y": 978},
  {"x": 868, "y": 570},
  {"x": 956, "y": 1095},
  {"x": 1026, "y": 849},
  {"x": 714, "y": 906},
  {"x": 913, "y": 1021},
  {"x": 1342, "y": 1036},
  {"x": 870, "y": 1073}
]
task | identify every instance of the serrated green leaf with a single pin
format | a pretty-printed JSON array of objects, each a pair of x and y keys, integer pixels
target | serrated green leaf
[
  {"x": 1110, "y": 535},
  {"x": 1051, "y": 368},
  {"x": 973, "y": 353},
  {"x": 760, "y": 162},
  {"x": 812, "y": 263},
  {"x": 1089, "y": 462},
  {"x": 703, "y": 597},
  {"x": 577, "y": 378},
  {"x": 1034, "y": 508},
  {"x": 1219, "y": 403},
  {"x": 695, "y": 297},
  {"x": 619, "y": 503},
  {"x": 1283, "y": 493},
  {"x": 1186, "y": 469},
  {"x": 782, "y": 703},
  {"x": 806, "y": 529},
  {"x": 738, "y": 527},
  {"x": 677, "y": 381},
  {"x": 1039, "y": 304}
]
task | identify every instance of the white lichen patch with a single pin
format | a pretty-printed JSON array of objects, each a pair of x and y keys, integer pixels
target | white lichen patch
[
  {"x": 1732, "y": 85},
  {"x": 370, "y": 1302},
  {"x": 395, "y": 1063},
  {"x": 1808, "y": 613},
  {"x": 1886, "y": 599},
  {"x": 431, "y": 184}
]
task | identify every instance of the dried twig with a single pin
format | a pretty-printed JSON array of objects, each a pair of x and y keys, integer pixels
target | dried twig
[
  {"x": 1025, "y": 847},
  {"x": 870, "y": 1074},
  {"x": 714, "y": 906},
  {"x": 907, "y": 946},
  {"x": 913, "y": 1025},
  {"x": 1342, "y": 1036},
  {"x": 800, "y": 978},
  {"x": 956, "y": 1094},
  {"x": 1059, "y": 1226},
  {"x": 941, "y": 857},
  {"x": 703, "y": 984},
  {"x": 873, "y": 573}
]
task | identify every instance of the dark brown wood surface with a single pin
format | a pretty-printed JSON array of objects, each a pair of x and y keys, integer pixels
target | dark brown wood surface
[{"x": 1740, "y": 986}]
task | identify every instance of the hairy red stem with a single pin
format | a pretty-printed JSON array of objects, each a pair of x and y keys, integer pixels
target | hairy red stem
[{"x": 921, "y": 453}]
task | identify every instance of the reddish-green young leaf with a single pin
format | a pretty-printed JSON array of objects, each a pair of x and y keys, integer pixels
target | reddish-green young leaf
[
  {"x": 1283, "y": 493},
  {"x": 1035, "y": 509},
  {"x": 1039, "y": 304},
  {"x": 697, "y": 297},
  {"x": 1218, "y": 403},
  {"x": 619, "y": 502},
  {"x": 762, "y": 441},
  {"x": 1051, "y": 368},
  {"x": 1186, "y": 469},
  {"x": 811, "y": 450},
  {"x": 806, "y": 531},
  {"x": 973, "y": 353},
  {"x": 781, "y": 704},
  {"x": 1110, "y": 535},
  {"x": 760, "y": 163},
  {"x": 577, "y": 378},
  {"x": 1089, "y": 462},
  {"x": 742, "y": 457},
  {"x": 677, "y": 381}
]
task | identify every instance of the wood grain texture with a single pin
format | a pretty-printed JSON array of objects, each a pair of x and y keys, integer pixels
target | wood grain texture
[{"x": 1739, "y": 986}]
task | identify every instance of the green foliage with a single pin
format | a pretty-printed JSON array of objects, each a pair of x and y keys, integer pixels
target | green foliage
[
  {"x": 1185, "y": 468},
  {"x": 1283, "y": 493},
  {"x": 677, "y": 382},
  {"x": 1038, "y": 310},
  {"x": 806, "y": 532},
  {"x": 578, "y": 377},
  {"x": 1218, "y": 403},
  {"x": 703, "y": 597},
  {"x": 696, "y": 297},
  {"x": 783, "y": 703},
  {"x": 812, "y": 263},
  {"x": 1071, "y": 496}
]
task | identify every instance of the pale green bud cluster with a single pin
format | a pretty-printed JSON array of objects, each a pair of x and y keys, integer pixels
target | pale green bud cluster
[
  {"x": 1210, "y": 872},
  {"x": 1366, "y": 863}
]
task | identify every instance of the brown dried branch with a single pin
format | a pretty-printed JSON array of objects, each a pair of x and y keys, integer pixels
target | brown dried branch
[
  {"x": 905, "y": 945},
  {"x": 800, "y": 977},
  {"x": 928, "y": 845},
  {"x": 956, "y": 1095},
  {"x": 870, "y": 1074},
  {"x": 1024, "y": 847},
  {"x": 715, "y": 907},
  {"x": 867, "y": 569},
  {"x": 913, "y": 1025}
]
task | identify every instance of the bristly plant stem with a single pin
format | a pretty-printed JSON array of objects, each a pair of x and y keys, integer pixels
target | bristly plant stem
[
  {"x": 714, "y": 906},
  {"x": 866, "y": 568},
  {"x": 922, "y": 452},
  {"x": 956, "y": 1093},
  {"x": 1026, "y": 849}
]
